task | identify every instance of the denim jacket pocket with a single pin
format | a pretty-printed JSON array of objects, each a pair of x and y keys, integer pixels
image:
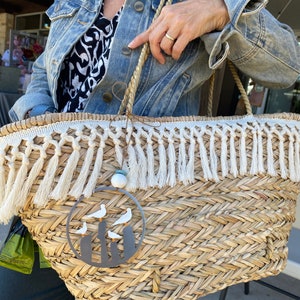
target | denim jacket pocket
[
  {"x": 62, "y": 9},
  {"x": 162, "y": 99},
  {"x": 64, "y": 14}
]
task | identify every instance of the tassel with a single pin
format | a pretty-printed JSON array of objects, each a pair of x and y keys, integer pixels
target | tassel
[
  {"x": 270, "y": 156},
  {"x": 42, "y": 195},
  {"x": 80, "y": 182},
  {"x": 11, "y": 175},
  {"x": 142, "y": 163},
  {"x": 150, "y": 161},
  {"x": 243, "y": 152},
  {"x": 162, "y": 170},
  {"x": 232, "y": 153},
  {"x": 182, "y": 160},
  {"x": 291, "y": 158},
  {"x": 12, "y": 202},
  {"x": 171, "y": 177},
  {"x": 261, "y": 168},
  {"x": 92, "y": 182},
  {"x": 118, "y": 149},
  {"x": 62, "y": 187},
  {"x": 253, "y": 169},
  {"x": 282, "y": 157},
  {"x": 224, "y": 152},
  {"x": 33, "y": 174},
  {"x": 213, "y": 157},
  {"x": 190, "y": 170},
  {"x": 297, "y": 157},
  {"x": 133, "y": 167},
  {"x": 204, "y": 158},
  {"x": 191, "y": 160}
]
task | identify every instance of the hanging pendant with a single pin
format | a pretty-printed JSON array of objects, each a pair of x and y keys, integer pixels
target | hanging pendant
[{"x": 111, "y": 234}]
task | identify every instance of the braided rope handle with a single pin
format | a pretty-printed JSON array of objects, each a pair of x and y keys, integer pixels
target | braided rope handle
[
  {"x": 239, "y": 84},
  {"x": 241, "y": 88},
  {"x": 129, "y": 97}
]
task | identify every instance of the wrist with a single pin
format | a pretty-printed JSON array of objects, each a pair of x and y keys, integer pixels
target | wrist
[{"x": 223, "y": 15}]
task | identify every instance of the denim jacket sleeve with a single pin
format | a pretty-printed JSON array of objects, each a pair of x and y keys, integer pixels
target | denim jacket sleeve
[
  {"x": 252, "y": 40},
  {"x": 38, "y": 99}
]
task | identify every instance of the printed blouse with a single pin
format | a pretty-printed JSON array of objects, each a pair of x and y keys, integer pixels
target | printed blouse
[{"x": 85, "y": 65}]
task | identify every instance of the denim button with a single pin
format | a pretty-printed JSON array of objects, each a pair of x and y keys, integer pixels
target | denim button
[
  {"x": 107, "y": 97},
  {"x": 126, "y": 51},
  {"x": 139, "y": 6}
]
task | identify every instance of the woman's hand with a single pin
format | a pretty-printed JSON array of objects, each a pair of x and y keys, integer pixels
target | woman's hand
[{"x": 180, "y": 23}]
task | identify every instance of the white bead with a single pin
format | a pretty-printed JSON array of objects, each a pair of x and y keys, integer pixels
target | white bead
[{"x": 118, "y": 180}]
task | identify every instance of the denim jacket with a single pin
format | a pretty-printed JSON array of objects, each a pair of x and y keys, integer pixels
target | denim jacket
[{"x": 252, "y": 40}]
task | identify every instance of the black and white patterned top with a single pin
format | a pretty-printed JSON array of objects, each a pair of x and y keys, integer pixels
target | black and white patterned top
[{"x": 85, "y": 65}]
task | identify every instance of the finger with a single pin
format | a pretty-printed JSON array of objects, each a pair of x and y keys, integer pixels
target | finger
[
  {"x": 167, "y": 43},
  {"x": 153, "y": 35},
  {"x": 139, "y": 40},
  {"x": 155, "y": 46},
  {"x": 170, "y": 37},
  {"x": 179, "y": 46}
]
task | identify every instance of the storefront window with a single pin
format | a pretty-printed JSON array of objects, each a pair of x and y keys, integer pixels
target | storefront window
[{"x": 286, "y": 100}]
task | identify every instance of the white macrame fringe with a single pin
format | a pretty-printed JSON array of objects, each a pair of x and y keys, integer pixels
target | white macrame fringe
[
  {"x": 190, "y": 170},
  {"x": 243, "y": 151},
  {"x": 162, "y": 170},
  {"x": 213, "y": 157},
  {"x": 34, "y": 172},
  {"x": 42, "y": 195},
  {"x": 63, "y": 186},
  {"x": 150, "y": 162},
  {"x": 80, "y": 182},
  {"x": 11, "y": 206},
  {"x": 233, "y": 158},
  {"x": 147, "y": 153},
  {"x": 142, "y": 163},
  {"x": 92, "y": 182},
  {"x": 297, "y": 156},
  {"x": 270, "y": 155},
  {"x": 224, "y": 153},
  {"x": 204, "y": 158}
]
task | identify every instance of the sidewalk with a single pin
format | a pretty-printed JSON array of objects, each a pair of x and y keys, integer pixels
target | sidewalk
[{"x": 260, "y": 292}]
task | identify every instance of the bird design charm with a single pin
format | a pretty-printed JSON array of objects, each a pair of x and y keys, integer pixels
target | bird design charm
[
  {"x": 82, "y": 230},
  {"x": 99, "y": 214},
  {"x": 124, "y": 219},
  {"x": 100, "y": 243}
]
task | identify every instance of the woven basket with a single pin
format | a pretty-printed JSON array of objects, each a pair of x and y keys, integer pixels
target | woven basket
[
  {"x": 218, "y": 196},
  {"x": 212, "y": 200}
]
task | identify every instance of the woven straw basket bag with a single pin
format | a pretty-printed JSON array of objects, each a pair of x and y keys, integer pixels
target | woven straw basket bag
[{"x": 125, "y": 207}]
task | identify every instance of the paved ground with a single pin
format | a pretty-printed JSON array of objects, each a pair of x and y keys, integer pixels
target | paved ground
[{"x": 261, "y": 292}]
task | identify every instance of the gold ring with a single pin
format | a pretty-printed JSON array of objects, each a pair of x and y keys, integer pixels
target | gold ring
[{"x": 169, "y": 37}]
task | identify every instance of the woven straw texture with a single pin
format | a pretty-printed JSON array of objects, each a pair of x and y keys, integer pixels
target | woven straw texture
[{"x": 218, "y": 195}]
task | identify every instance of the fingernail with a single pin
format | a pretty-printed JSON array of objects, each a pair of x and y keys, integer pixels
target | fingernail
[{"x": 130, "y": 45}]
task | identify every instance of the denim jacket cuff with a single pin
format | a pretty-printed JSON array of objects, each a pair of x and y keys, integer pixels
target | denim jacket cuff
[
  {"x": 39, "y": 104},
  {"x": 216, "y": 42}
]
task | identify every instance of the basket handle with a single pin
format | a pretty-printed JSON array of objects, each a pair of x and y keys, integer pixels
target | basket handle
[
  {"x": 129, "y": 97},
  {"x": 239, "y": 84}
]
